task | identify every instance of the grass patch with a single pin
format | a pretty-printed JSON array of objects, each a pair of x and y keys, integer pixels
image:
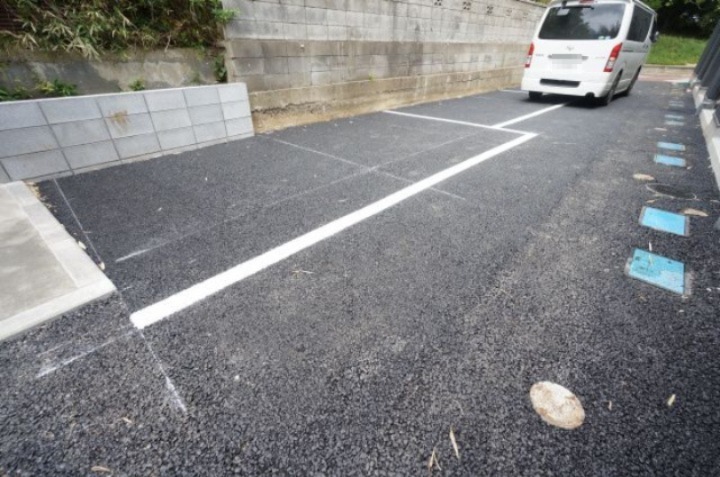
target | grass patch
[{"x": 676, "y": 50}]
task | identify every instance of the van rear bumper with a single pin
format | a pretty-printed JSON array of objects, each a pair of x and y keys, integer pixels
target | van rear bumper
[{"x": 567, "y": 86}]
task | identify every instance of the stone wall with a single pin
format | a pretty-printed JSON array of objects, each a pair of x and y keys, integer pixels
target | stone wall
[
  {"x": 306, "y": 60},
  {"x": 53, "y": 137},
  {"x": 111, "y": 73}
]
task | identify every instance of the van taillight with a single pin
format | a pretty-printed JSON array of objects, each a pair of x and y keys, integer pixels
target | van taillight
[
  {"x": 613, "y": 58},
  {"x": 528, "y": 60}
]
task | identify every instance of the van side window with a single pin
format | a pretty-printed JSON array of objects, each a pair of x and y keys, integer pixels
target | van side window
[{"x": 640, "y": 25}]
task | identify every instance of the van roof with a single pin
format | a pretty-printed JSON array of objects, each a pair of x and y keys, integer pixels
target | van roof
[{"x": 638, "y": 2}]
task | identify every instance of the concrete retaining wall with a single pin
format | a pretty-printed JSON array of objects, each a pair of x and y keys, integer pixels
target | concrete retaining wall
[
  {"x": 320, "y": 58},
  {"x": 53, "y": 137},
  {"x": 111, "y": 73}
]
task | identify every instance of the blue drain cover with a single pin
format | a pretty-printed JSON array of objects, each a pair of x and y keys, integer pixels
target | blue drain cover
[
  {"x": 671, "y": 146},
  {"x": 658, "y": 270},
  {"x": 665, "y": 221},
  {"x": 670, "y": 160}
]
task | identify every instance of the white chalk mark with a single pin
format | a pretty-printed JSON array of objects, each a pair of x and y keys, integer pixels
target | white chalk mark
[
  {"x": 528, "y": 116},
  {"x": 176, "y": 401},
  {"x": 455, "y": 121},
  {"x": 49, "y": 368},
  {"x": 188, "y": 297},
  {"x": 136, "y": 253}
]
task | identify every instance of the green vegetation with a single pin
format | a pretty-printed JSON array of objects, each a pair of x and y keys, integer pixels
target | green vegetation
[
  {"x": 43, "y": 89},
  {"x": 93, "y": 26},
  {"x": 676, "y": 50},
  {"x": 694, "y": 18},
  {"x": 137, "y": 85}
]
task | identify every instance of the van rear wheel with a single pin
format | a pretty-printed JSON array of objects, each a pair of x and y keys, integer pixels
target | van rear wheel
[
  {"x": 607, "y": 99},
  {"x": 632, "y": 84},
  {"x": 535, "y": 95}
]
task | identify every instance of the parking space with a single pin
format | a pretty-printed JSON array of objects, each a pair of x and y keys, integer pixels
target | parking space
[{"x": 333, "y": 299}]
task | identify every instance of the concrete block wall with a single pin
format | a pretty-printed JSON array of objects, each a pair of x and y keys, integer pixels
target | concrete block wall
[
  {"x": 277, "y": 45},
  {"x": 53, "y": 137}
]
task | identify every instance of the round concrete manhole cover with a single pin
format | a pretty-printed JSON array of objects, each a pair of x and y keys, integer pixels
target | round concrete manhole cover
[
  {"x": 671, "y": 191},
  {"x": 556, "y": 405}
]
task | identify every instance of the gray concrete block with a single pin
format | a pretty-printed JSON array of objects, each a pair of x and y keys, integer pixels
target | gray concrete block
[
  {"x": 338, "y": 33},
  {"x": 272, "y": 49},
  {"x": 64, "y": 110},
  {"x": 336, "y": 18},
  {"x": 239, "y": 126},
  {"x": 230, "y": 93},
  {"x": 81, "y": 132},
  {"x": 235, "y": 110},
  {"x": 201, "y": 96},
  {"x": 316, "y": 16},
  {"x": 317, "y": 32},
  {"x": 269, "y": 30},
  {"x": 26, "y": 141},
  {"x": 241, "y": 29},
  {"x": 122, "y": 104},
  {"x": 245, "y": 48},
  {"x": 210, "y": 132},
  {"x": 295, "y": 14},
  {"x": 129, "y": 125},
  {"x": 206, "y": 114},
  {"x": 276, "y": 66},
  {"x": 134, "y": 146},
  {"x": 295, "y": 31},
  {"x": 176, "y": 138},
  {"x": 4, "y": 177},
  {"x": 175, "y": 119},
  {"x": 277, "y": 81},
  {"x": 165, "y": 100},
  {"x": 20, "y": 115},
  {"x": 249, "y": 66},
  {"x": 35, "y": 165},
  {"x": 270, "y": 12},
  {"x": 90, "y": 154}
]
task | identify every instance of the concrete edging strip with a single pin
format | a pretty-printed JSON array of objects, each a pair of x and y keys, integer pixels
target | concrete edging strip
[{"x": 89, "y": 283}]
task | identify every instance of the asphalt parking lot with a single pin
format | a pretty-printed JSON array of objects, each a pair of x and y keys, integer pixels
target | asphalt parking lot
[{"x": 333, "y": 299}]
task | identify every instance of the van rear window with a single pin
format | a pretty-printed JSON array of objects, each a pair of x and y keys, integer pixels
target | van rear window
[{"x": 599, "y": 22}]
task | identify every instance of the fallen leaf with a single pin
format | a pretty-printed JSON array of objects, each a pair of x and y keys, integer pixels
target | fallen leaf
[
  {"x": 671, "y": 401},
  {"x": 651, "y": 201},
  {"x": 434, "y": 461},
  {"x": 643, "y": 177},
  {"x": 610, "y": 405},
  {"x": 127, "y": 420},
  {"x": 695, "y": 212},
  {"x": 102, "y": 265},
  {"x": 454, "y": 443},
  {"x": 82, "y": 245},
  {"x": 99, "y": 468},
  {"x": 557, "y": 405}
]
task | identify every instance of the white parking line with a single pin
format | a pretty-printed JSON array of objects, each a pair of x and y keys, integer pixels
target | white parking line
[
  {"x": 528, "y": 116},
  {"x": 455, "y": 121},
  {"x": 188, "y": 297}
]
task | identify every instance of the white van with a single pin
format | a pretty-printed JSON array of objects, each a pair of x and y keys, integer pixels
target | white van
[{"x": 591, "y": 48}]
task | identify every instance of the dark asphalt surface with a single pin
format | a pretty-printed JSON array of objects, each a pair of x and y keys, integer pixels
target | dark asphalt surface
[{"x": 357, "y": 355}]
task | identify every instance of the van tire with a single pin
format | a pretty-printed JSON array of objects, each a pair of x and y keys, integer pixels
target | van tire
[
  {"x": 607, "y": 99},
  {"x": 535, "y": 95},
  {"x": 632, "y": 83}
]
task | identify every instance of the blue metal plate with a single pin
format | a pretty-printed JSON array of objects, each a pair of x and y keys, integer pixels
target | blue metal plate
[
  {"x": 671, "y": 146},
  {"x": 664, "y": 221},
  {"x": 658, "y": 270},
  {"x": 670, "y": 160}
]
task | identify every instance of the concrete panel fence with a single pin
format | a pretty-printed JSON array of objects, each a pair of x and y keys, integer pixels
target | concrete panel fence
[{"x": 54, "y": 137}]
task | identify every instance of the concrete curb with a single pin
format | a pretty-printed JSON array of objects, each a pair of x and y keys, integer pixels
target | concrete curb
[
  {"x": 711, "y": 131},
  {"x": 89, "y": 282}
]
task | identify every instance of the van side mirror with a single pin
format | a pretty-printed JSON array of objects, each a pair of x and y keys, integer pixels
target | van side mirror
[{"x": 655, "y": 36}]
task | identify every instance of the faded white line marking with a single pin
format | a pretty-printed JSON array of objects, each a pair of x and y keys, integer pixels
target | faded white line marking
[
  {"x": 49, "y": 368},
  {"x": 455, "y": 121},
  {"x": 188, "y": 297},
  {"x": 518, "y": 91},
  {"x": 528, "y": 116},
  {"x": 135, "y": 254},
  {"x": 176, "y": 401}
]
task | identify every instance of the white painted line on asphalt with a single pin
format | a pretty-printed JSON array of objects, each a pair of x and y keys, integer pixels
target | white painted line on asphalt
[
  {"x": 455, "y": 121},
  {"x": 188, "y": 297},
  {"x": 517, "y": 91},
  {"x": 528, "y": 116}
]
